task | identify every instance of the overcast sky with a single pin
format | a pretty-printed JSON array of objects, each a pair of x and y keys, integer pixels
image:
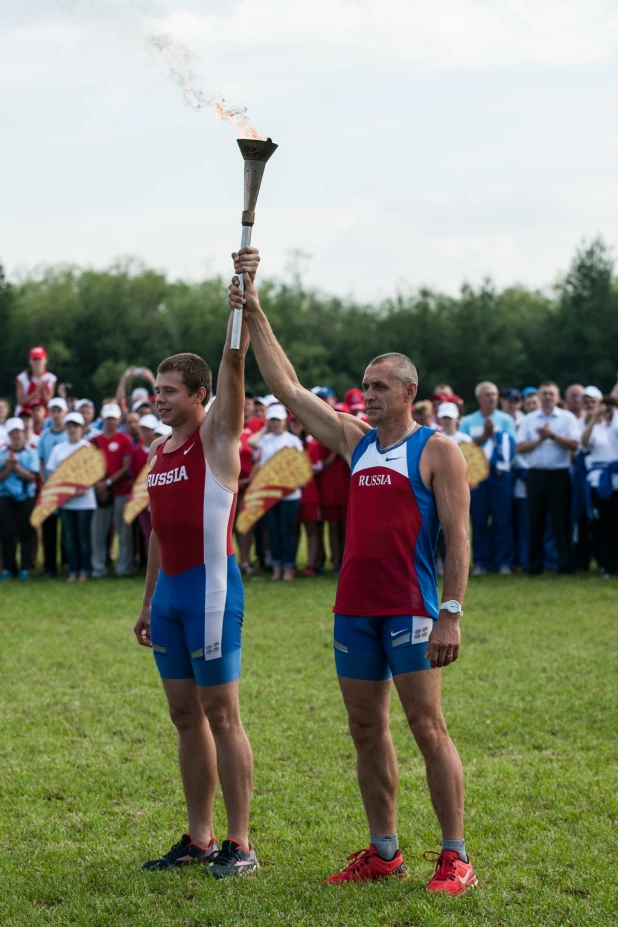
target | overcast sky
[{"x": 420, "y": 143}]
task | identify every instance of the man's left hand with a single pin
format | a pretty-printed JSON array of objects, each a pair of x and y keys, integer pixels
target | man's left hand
[
  {"x": 246, "y": 261},
  {"x": 545, "y": 432},
  {"x": 444, "y": 641}
]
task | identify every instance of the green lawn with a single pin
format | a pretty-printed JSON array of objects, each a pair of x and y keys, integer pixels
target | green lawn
[{"x": 89, "y": 786}]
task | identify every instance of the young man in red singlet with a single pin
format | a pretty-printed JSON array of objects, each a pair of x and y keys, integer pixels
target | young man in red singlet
[
  {"x": 406, "y": 481},
  {"x": 193, "y": 601}
]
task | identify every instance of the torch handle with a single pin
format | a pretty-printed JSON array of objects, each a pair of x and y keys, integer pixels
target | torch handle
[{"x": 237, "y": 317}]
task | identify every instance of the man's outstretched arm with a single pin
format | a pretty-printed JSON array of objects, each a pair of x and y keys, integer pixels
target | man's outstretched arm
[
  {"x": 225, "y": 419},
  {"x": 336, "y": 430}
]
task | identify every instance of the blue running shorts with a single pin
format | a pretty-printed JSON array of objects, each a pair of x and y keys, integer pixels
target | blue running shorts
[
  {"x": 196, "y": 625},
  {"x": 375, "y": 649}
]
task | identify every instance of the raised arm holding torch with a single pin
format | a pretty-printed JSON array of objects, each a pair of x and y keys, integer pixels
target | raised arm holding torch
[{"x": 256, "y": 153}]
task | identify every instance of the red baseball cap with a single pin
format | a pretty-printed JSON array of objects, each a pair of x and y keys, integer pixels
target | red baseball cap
[
  {"x": 355, "y": 400},
  {"x": 342, "y": 407},
  {"x": 38, "y": 353}
]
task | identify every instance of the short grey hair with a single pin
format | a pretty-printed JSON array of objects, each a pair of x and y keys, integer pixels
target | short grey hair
[
  {"x": 402, "y": 367},
  {"x": 481, "y": 386}
]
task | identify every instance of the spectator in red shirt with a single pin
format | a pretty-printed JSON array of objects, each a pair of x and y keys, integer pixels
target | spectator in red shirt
[
  {"x": 334, "y": 487},
  {"x": 259, "y": 408},
  {"x": 132, "y": 428},
  {"x": 35, "y": 383},
  {"x": 112, "y": 495},
  {"x": 147, "y": 425},
  {"x": 310, "y": 511},
  {"x": 252, "y": 422}
]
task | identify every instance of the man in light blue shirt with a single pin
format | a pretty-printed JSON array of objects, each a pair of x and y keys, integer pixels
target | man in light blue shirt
[
  {"x": 18, "y": 469},
  {"x": 49, "y": 439},
  {"x": 490, "y": 501}
]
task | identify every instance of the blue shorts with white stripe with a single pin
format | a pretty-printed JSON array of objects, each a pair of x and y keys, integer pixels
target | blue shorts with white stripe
[
  {"x": 196, "y": 625},
  {"x": 375, "y": 649}
]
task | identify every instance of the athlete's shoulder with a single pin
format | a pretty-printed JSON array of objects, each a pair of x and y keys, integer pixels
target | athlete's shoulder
[
  {"x": 354, "y": 430},
  {"x": 443, "y": 453},
  {"x": 156, "y": 444}
]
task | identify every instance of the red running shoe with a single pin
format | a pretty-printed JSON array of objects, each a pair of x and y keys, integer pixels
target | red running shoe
[
  {"x": 368, "y": 866},
  {"x": 452, "y": 875}
]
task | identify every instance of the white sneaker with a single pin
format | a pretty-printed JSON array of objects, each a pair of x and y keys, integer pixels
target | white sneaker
[
  {"x": 505, "y": 571},
  {"x": 479, "y": 571}
]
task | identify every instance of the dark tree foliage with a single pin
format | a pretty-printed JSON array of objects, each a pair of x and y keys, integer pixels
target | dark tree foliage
[{"x": 95, "y": 323}]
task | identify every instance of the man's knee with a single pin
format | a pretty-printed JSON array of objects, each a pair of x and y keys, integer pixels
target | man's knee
[
  {"x": 366, "y": 729},
  {"x": 223, "y": 718},
  {"x": 186, "y": 715},
  {"x": 429, "y": 730}
]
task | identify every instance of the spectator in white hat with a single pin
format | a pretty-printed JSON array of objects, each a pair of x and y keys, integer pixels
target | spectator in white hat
[
  {"x": 76, "y": 514},
  {"x": 162, "y": 430},
  {"x": 281, "y": 518},
  {"x": 448, "y": 418},
  {"x": 51, "y": 437},
  {"x": 18, "y": 472},
  {"x": 112, "y": 494}
]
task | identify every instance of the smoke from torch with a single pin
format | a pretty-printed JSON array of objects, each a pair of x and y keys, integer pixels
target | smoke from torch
[{"x": 178, "y": 60}]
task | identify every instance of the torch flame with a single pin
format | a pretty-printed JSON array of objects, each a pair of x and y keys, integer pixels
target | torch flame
[
  {"x": 178, "y": 61},
  {"x": 235, "y": 115}
]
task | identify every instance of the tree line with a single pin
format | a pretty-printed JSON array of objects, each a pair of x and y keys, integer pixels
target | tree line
[{"x": 96, "y": 323}]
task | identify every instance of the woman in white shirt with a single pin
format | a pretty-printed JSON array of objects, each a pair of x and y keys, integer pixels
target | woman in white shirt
[
  {"x": 76, "y": 513},
  {"x": 281, "y": 518},
  {"x": 600, "y": 441}
]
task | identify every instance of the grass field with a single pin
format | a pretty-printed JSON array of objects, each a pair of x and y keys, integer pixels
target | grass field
[{"x": 89, "y": 786}]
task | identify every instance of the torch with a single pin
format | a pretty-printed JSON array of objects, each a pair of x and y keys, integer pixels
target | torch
[{"x": 256, "y": 153}]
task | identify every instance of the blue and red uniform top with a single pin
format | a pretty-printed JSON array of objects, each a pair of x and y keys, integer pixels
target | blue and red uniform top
[
  {"x": 192, "y": 513},
  {"x": 392, "y": 531}
]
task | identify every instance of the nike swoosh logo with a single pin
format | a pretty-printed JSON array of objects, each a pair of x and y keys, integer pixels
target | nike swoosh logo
[
  {"x": 463, "y": 881},
  {"x": 393, "y": 458},
  {"x": 395, "y": 633},
  {"x": 189, "y": 448}
]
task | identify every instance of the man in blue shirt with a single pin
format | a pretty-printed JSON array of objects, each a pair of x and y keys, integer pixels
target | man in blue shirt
[
  {"x": 49, "y": 439},
  {"x": 490, "y": 501},
  {"x": 19, "y": 466}
]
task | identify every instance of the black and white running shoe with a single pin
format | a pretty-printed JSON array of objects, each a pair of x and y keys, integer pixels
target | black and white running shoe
[
  {"x": 184, "y": 853},
  {"x": 233, "y": 860}
]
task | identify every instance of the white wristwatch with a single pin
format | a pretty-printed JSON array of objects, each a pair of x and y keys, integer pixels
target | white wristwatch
[{"x": 452, "y": 606}]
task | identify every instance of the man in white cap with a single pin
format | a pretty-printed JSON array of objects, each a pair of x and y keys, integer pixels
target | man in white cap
[
  {"x": 281, "y": 518},
  {"x": 448, "y": 418},
  {"x": 76, "y": 513},
  {"x": 112, "y": 495},
  {"x": 51, "y": 437},
  {"x": 18, "y": 472}
]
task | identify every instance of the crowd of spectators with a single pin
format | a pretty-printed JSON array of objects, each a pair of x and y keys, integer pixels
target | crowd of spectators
[{"x": 550, "y": 500}]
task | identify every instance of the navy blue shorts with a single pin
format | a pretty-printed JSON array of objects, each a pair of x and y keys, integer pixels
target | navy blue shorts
[
  {"x": 196, "y": 624},
  {"x": 375, "y": 649}
]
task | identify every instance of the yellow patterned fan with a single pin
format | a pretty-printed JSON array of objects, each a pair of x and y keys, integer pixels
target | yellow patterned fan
[
  {"x": 75, "y": 475},
  {"x": 139, "y": 499},
  {"x": 286, "y": 471},
  {"x": 478, "y": 465}
]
